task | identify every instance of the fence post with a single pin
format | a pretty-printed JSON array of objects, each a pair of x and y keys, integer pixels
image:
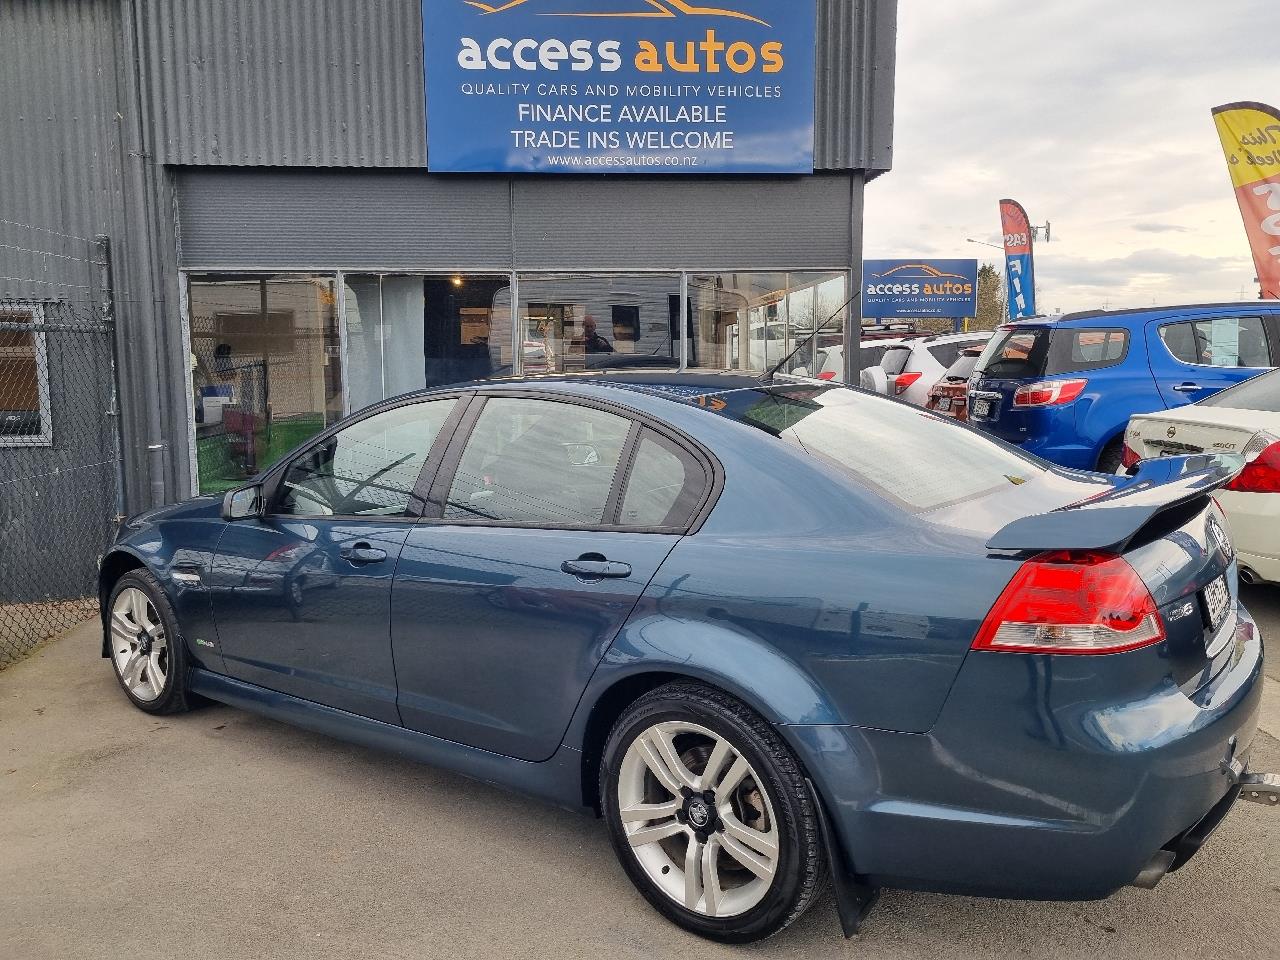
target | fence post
[{"x": 106, "y": 284}]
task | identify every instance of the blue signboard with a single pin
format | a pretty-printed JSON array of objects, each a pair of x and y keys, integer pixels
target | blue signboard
[
  {"x": 619, "y": 86},
  {"x": 919, "y": 288}
]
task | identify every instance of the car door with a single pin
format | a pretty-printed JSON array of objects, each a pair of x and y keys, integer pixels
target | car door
[
  {"x": 550, "y": 518},
  {"x": 1195, "y": 358},
  {"x": 301, "y": 594}
]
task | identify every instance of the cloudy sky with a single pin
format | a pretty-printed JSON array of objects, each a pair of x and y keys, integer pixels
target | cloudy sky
[{"x": 1094, "y": 114}]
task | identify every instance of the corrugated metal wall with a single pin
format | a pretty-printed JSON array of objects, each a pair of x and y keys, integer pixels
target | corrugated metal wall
[
  {"x": 316, "y": 83},
  {"x": 254, "y": 219},
  {"x": 333, "y": 83}
]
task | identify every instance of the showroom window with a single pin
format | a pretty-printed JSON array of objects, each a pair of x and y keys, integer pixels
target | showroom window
[
  {"x": 751, "y": 321},
  {"x": 588, "y": 322},
  {"x": 266, "y": 370},
  {"x": 25, "y": 419}
]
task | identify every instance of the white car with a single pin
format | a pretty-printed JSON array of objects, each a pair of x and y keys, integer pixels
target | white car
[
  {"x": 911, "y": 367},
  {"x": 1242, "y": 419}
]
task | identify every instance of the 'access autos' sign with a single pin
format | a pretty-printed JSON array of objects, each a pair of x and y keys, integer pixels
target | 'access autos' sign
[
  {"x": 919, "y": 288},
  {"x": 624, "y": 86}
]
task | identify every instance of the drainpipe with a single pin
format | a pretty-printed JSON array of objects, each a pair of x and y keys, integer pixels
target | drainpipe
[{"x": 144, "y": 270}]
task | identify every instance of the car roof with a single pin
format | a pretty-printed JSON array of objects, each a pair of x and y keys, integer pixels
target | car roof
[{"x": 1132, "y": 314}]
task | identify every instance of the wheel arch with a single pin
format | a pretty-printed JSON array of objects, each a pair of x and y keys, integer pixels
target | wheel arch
[{"x": 114, "y": 566}]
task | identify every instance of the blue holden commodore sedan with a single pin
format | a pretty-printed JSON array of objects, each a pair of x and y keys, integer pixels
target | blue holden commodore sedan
[{"x": 778, "y": 634}]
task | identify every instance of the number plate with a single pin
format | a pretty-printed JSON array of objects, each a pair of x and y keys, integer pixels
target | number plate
[
  {"x": 944, "y": 403},
  {"x": 982, "y": 408},
  {"x": 1218, "y": 599}
]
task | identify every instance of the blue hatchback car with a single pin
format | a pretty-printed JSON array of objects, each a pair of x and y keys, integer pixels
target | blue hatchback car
[
  {"x": 1065, "y": 389},
  {"x": 778, "y": 634}
]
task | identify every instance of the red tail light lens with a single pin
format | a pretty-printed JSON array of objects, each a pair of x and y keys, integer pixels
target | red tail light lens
[
  {"x": 1072, "y": 601},
  {"x": 904, "y": 380},
  {"x": 827, "y": 375},
  {"x": 1261, "y": 474},
  {"x": 1048, "y": 393},
  {"x": 1129, "y": 457}
]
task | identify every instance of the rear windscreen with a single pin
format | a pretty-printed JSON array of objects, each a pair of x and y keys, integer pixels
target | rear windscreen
[
  {"x": 962, "y": 368},
  {"x": 1015, "y": 353},
  {"x": 919, "y": 460},
  {"x": 946, "y": 353},
  {"x": 1258, "y": 393},
  {"x": 1024, "y": 352}
]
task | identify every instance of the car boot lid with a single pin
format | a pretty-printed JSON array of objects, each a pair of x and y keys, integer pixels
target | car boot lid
[{"x": 1110, "y": 520}]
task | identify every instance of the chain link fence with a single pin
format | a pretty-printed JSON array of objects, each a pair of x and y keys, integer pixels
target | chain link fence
[{"x": 60, "y": 489}]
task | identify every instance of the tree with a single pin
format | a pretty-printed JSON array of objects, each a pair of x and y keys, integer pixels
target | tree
[{"x": 991, "y": 298}]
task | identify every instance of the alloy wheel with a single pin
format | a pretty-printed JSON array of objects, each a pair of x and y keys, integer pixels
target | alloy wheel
[
  {"x": 698, "y": 819},
  {"x": 139, "y": 645}
]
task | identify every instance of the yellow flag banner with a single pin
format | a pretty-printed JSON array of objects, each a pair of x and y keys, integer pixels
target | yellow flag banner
[{"x": 1250, "y": 135}]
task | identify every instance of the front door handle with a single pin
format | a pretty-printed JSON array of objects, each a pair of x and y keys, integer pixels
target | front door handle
[
  {"x": 597, "y": 569},
  {"x": 1187, "y": 387},
  {"x": 362, "y": 553}
]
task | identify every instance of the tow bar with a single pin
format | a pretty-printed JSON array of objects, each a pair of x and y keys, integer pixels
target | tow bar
[{"x": 1261, "y": 788}]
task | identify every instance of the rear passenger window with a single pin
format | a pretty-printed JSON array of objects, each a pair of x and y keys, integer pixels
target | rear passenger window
[
  {"x": 895, "y": 360},
  {"x": 664, "y": 486},
  {"x": 1088, "y": 349},
  {"x": 1220, "y": 342}
]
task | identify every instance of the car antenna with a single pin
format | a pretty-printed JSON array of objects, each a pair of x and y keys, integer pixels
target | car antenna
[{"x": 772, "y": 371}]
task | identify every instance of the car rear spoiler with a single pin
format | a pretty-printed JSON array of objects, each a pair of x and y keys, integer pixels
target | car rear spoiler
[{"x": 1111, "y": 520}]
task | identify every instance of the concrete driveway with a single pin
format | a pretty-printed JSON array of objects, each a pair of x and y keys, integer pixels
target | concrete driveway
[{"x": 221, "y": 835}]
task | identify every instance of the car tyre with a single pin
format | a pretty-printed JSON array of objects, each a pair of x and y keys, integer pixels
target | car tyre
[
  {"x": 148, "y": 653},
  {"x": 1112, "y": 456},
  {"x": 684, "y": 753}
]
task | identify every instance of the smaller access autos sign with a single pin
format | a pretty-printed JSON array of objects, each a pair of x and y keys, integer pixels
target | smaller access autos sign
[
  {"x": 919, "y": 288},
  {"x": 620, "y": 86}
]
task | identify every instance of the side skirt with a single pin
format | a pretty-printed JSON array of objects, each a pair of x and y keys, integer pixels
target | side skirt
[{"x": 555, "y": 781}]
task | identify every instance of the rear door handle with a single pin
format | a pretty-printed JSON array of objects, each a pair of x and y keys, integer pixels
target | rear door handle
[
  {"x": 1187, "y": 387},
  {"x": 362, "y": 553},
  {"x": 597, "y": 569}
]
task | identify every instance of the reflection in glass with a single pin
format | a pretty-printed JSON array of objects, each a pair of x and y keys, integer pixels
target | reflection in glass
[
  {"x": 266, "y": 371},
  {"x": 751, "y": 321},
  {"x": 580, "y": 322}
]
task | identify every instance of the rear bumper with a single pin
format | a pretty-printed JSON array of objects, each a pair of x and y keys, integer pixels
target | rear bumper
[
  {"x": 1035, "y": 783},
  {"x": 1255, "y": 528}
]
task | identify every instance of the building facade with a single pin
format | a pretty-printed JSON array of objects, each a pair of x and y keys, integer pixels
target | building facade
[{"x": 283, "y": 252}]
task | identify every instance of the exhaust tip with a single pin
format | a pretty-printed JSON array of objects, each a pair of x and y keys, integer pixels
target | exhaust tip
[
  {"x": 1154, "y": 871},
  {"x": 1249, "y": 577}
]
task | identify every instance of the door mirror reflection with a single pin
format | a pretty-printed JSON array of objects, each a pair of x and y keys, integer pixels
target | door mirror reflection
[{"x": 242, "y": 504}]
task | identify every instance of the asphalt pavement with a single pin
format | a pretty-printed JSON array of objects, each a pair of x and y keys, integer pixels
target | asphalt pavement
[{"x": 218, "y": 834}]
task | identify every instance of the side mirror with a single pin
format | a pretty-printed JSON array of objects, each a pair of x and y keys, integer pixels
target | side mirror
[{"x": 242, "y": 504}]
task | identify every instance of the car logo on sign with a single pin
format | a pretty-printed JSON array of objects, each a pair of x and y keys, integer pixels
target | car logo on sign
[{"x": 1171, "y": 432}]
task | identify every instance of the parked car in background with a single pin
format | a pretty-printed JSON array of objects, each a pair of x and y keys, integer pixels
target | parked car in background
[
  {"x": 949, "y": 396},
  {"x": 1241, "y": 419},
  {"x": 773, "y": 632},
  {"x": 1065, "y": 389},
  {"x": 909, "y": 368}
]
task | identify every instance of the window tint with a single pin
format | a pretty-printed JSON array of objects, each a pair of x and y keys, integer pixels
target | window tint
[
  {"x": 946, "y": 353},
  {"x": 962, "y": 368},
  {"x": 538, "y": 461},
  {"x": 664, "y": 485},
  {"x": 1075, "y": 349},
  {"x": 367, "y": 470},
  {"x": 1015, "y": 352},
  {"x": 919, "y": 460},
  {"x": 1220, "y": 342},
  {"x": 1257, "y": 393}
]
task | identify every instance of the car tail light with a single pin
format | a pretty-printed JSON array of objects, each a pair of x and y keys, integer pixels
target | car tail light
[
  {"x": 1048, "y": 393},
  {"x": 904, "y": 380},
  {"x": 1072, "y": 601},
  {"x": 1129, "y": 457},
  {"x": 1262, "y": 473},
  {"x": 827, "y": 375}
]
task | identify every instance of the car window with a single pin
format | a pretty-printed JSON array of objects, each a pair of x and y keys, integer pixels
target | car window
[
  {"x": 664, "y": 486},
  {"x": 870, "y": 356},
  {"x": 538, "y": 461},
  {"x": 1015, "y": 352},
  {"x": 1073, "y": 349},
  {"x": 962, "y": 367},
  {"x": 895, "y": 360},
  {"x": 1257, "y": 393},
  {"x": 919, "y": 460},
  {"x": 368, "y": 469},
  {"x": 1219, "y": 342},
  {"x": 946, "y": 353}
]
